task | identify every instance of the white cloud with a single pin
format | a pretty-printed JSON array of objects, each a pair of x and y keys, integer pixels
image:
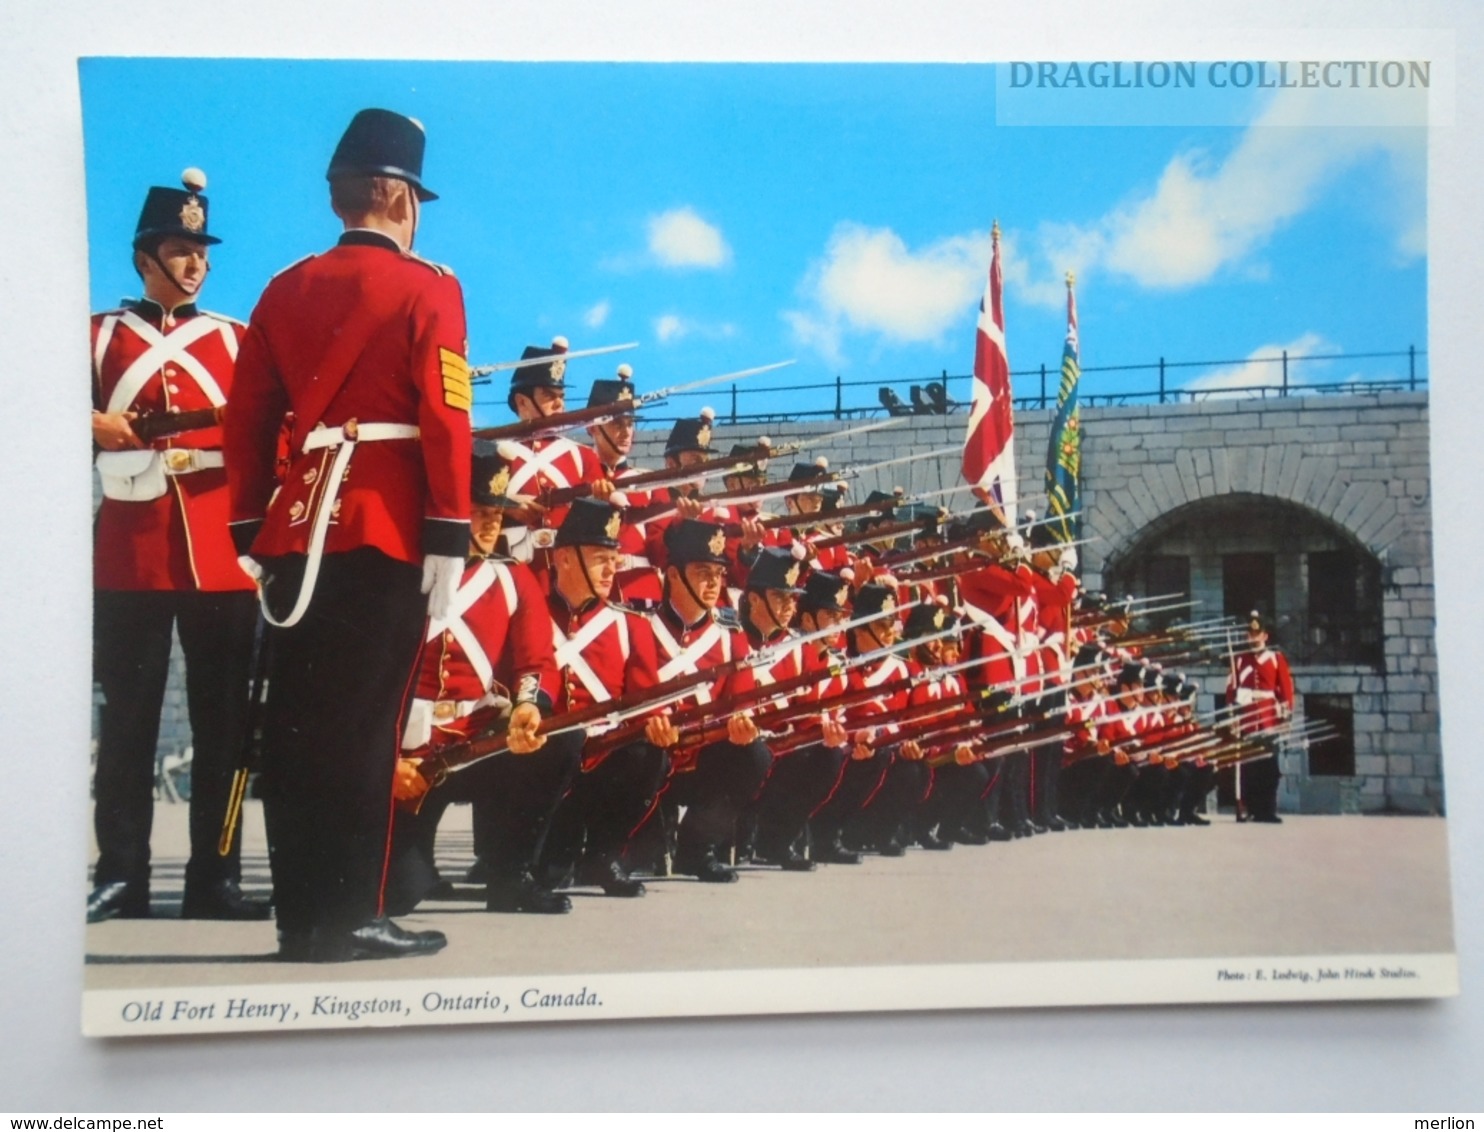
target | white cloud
[
  {"x": 869, "y": 281},
  {"x": 1264, "y": 367},
  {"x": 680, "y": 238},
  {"x": 672, "y": 327},
  {"x": 1204, "y": 216},
  {"x": 596, "y": 315}
]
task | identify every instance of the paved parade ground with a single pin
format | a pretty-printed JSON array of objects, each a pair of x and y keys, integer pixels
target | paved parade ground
[{"x": 1311, "y": 886}]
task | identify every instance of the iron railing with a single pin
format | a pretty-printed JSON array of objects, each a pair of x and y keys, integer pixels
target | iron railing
[{"x": 735, "y": 404}]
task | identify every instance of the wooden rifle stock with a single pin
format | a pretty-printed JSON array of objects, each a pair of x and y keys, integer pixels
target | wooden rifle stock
[
  {"x": 555, "y": 422},
  {"x": 154, "y": 426}
]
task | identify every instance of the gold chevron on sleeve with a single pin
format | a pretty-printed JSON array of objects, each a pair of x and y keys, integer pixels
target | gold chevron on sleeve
[{"x": 457, "y": 392}]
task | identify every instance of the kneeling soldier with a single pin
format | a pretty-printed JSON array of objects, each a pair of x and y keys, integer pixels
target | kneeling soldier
[
  {"x": 603, "y": 651},
  {"x": 489, "y": 655}
]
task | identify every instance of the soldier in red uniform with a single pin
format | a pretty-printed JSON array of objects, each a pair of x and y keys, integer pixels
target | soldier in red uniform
[
  {"x": 603, "y": 651},
  {"x": 716, "y": 780},
  {"x": 488, "y": 660},
  {"x": 639, "y": 581},
  {"x": 1261, "y": 686},
  {"x": 365, "y": 344},
  {"x": 872, "y": 749},
  {"x": 162, "y": 557},
  {"x": 803, "y": 779},
  {"x": 544, "y": 463}
]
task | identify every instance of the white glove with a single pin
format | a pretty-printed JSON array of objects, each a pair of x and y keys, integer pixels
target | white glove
[
  {"x": 250, "y": 567},
  {"x": 1068, "y": 559},
  {"x": 441, "y": 576}
]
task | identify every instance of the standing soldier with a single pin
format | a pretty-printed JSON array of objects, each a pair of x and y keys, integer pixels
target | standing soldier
[
  {"x": 163, "y": 558},
  {"x": 365, "y": 344},
  {"x": 1261, "y": 686}
]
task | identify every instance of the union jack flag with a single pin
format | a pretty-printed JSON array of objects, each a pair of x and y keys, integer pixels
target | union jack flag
[{"x": 989, "y": 448}]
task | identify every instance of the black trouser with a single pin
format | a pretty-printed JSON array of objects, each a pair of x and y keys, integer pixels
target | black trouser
[
  {"x": 520, "y": 794},
  {"x": 606, "y": 805},
  {"x": 1009, "y": 796},
  {"x": 131, "y": 661},
  {"x": 955, "y": 796},
  {"x": 1197, "y": 782},
  {"x": 331, "y": 733},
  {"x": 1114, "y": 788},
  {"x": 798, "y": 785},
  {"x": 1260, "y": 786},
  {"x": 725, "y": 779},
  {"x": 860, "y": 779},
  {"x": 1081, "y": 783},
  {"x": 906, "y": 784}
]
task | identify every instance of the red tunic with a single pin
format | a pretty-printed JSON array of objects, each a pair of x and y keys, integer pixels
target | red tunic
[
  {"x": 180, "y": 540},
  {"x": 695, "y": 648},
  {"x": 638, "y": 579},
  {"x": 366, "y": 333},
  {"x": 492, "y": 647},
  {"x": 1262, "y": 684}
]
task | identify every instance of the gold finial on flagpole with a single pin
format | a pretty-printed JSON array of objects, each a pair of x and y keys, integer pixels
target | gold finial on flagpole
[
  {"x": 1071, "y": 279},
  {"x": 994, "y": 232}
]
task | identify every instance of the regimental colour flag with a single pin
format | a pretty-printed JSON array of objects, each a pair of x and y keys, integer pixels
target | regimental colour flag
[
  {"x": 1064, "y": 454},
  {"x": 989, "y": 448}
]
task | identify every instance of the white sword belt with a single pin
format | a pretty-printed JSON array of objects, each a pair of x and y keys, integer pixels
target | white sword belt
[
  {"x": 183, "y": 461},
  {"x": 344, "y": 437}
]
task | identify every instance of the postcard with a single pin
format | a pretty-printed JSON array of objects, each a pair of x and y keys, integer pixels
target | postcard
[{"x": 1113, "y": 680}]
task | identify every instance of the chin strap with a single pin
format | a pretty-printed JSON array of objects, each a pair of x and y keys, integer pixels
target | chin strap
[
  {"x": 189, "y": 292},
  {"x": 587, "y": 576}
]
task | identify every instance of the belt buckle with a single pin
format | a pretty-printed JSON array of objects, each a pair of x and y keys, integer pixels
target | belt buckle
[
  {"x": 351, "y": 429},
  {"x": 177, "y": 460},
  {"x": 445, "y": 710}
]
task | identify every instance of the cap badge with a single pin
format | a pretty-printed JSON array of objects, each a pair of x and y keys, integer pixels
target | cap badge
[
  {"x": 938, "y": 619},
  {"x": 703, "y": 436},
  {"x": 615, "y": 521},
  {"x": 192, "y": 215},
  {"x": 500, "y": 481},
  {"x": 718, "y": 543},
  {"x": 843, "y": 596},
  {"x": 558, "y": 369},
  {"x": 792, "y": 576}
]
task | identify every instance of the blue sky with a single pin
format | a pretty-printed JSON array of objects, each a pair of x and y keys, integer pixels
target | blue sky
[{"x": 727, "y": 216}]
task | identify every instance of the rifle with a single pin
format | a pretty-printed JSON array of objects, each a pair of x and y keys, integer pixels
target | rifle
[
  {"x": 247, "y": 756},
  {"x": 555, "y": 423},
  {"x": 668, "y": 477},
  {"x": 149, "y": 427}
]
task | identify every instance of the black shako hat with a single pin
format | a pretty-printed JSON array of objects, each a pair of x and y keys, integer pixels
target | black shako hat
[
  {"x": 926, "y": 619},
  {"x": 550, "y": 373},
  {"x": 1257, "y": 623},
  {"x": 382, "y": 143},
  {"x": 1043, "y": 536},
  {"x": 1131, "y": 675},
  {"x": 1087, "y": 656},
  {"x": 871, "y": 600},
  {"x": 807, "y": 473},
  {"x": 590, "y": 522},
  {"x": 610, "y": 390},
  {"x": 775, "y": 569},
  {"x": 824, "y": 591},
  {"x": 179, "y": 213},
  {"x": 489, "y": 479},
  {"x": 691, "y": 540},
  {"x": 866, "y": 522},
  {"x": 831, "y": 498},
  {"x": 691, "y": 434}
]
